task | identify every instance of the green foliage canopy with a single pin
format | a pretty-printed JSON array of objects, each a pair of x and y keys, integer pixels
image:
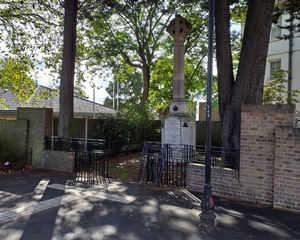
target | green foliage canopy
[
  {"x": 135, "y": 34},
  {"x": 14, "y": 76},
  {"x": 275, "y": 91}
]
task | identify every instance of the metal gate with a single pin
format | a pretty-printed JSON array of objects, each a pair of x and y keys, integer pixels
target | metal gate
[
  {"x": 91, "y": 166},
  {"x": 164, "y": 164}
]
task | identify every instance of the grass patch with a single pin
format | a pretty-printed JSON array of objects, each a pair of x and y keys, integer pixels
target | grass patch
[{"x": 122, "y": 172}]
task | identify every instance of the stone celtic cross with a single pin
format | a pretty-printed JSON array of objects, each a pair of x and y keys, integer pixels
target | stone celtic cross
[{"x": 178, "y": 28}]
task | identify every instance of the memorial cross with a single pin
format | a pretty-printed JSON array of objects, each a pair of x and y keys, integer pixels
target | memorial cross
[{"x": 178, "y": 28}]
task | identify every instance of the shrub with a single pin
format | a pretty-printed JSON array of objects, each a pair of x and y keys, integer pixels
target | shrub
[
  {"x": 276, "y": 92},
  {"x": 116, "y": 130}
]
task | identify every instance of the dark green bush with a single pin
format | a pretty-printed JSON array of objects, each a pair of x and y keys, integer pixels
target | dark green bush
[{"x": 116, "y": 130}]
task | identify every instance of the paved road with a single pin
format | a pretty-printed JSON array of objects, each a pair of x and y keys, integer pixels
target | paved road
[{"x": 40, "y": 204}]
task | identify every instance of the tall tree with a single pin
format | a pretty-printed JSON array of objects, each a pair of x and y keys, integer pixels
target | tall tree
[
  {"x": 133, "y": 32},
  {"x": 247, "y": 87},
  {"x": 136, "y": 33},
  {"x": 35, "y": 29},
  {"x": 27, "y": 38},
  {"x": 67, "y": 72}
]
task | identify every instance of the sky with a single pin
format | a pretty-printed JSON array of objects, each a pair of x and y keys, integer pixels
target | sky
[{"x": 100, "y": 92}]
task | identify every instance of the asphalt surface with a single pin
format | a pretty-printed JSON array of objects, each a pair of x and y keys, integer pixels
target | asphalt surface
[{"x": 40, "y": 204}]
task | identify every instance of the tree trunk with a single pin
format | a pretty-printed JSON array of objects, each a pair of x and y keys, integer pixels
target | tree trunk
[
  {"x": 67, "y": 73},
  {"x": 225, "y": 71},
  {"x": 248, "y": 86},
  {"x": 146, "y": 82}
]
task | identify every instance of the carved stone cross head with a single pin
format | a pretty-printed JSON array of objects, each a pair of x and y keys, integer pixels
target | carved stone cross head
[{"x": 179, "y": 27}]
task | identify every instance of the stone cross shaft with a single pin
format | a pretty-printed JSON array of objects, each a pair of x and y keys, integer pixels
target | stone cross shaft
[{"x": 178, "y": 28}]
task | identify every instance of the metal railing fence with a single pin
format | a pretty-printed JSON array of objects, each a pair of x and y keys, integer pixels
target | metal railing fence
[
  {"x": 92, "y": 167},
  {"x": 90, "y": 158},
  {"x": 75, "y": 144},
  {"x": 166, "y": 163}
]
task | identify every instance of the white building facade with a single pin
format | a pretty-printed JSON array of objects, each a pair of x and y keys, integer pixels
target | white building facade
[{"x": 285, "y": 55}]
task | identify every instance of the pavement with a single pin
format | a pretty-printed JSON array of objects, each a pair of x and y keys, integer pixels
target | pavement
[{"x": 41, "y": 204}]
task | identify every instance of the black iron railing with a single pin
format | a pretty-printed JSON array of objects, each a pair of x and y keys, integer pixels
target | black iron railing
[
  {"x": 166, "y": 163},
  {"x": 220, "y": 157},
  {"x": 91, "y": 167},
  {"x": 74, "y": 144},
  {"x": 90, "y": 158}
]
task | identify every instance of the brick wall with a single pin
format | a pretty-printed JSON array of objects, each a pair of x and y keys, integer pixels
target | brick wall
[
  {"x": 287, "y": 168},
  {"x": 269, "y": 160},
  {"x": 224, "y": 181},
  {"x": 257, "y": 147},
  {"x": 40, "y": 125},
  {"x": 29, "y": 132},
  {"x": 13, "y": 136},
  {"x": 58, "y": 160}
]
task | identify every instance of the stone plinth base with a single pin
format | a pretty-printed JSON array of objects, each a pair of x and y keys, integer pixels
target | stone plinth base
[{"x": 179, "y": 130}]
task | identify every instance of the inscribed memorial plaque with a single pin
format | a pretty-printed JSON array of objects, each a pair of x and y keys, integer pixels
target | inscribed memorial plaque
[{"x": 172, "y": 131}]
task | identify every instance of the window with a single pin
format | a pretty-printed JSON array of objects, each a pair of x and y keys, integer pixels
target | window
[
  {"x": 275, "y": 30},
  {"x": 274, "y": 66}
]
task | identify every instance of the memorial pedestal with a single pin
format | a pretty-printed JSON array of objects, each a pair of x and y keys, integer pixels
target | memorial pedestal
[{"x": 179, "y": 130}]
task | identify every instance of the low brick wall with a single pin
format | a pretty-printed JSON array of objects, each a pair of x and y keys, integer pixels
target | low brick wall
[
  {"x": 58, "y": 160},
  {"x": 269, "y": 160},
  {"x": 287, "y": 168},
  {"x": 13, "y": 135},
  {"x": 224, "y": 181}
]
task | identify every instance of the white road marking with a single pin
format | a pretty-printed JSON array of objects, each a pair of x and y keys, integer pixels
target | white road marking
[{"x": 71, "y": 194}]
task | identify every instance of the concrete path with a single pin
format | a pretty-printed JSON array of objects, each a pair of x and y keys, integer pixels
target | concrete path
[{"x": 44, "y": 205}]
